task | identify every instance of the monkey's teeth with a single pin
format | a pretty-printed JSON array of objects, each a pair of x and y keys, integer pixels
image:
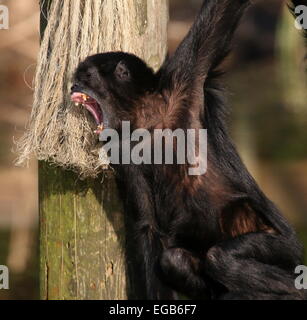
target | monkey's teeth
[
  {"x": 84, "y": 97},
  {"x": 77, "y": 104},
  {"x": 99, "y": 129}
]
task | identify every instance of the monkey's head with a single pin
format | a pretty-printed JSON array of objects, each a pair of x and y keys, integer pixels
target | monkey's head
[{"x": 108, "y": 85}]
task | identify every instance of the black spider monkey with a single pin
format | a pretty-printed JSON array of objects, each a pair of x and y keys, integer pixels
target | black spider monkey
[{"x": 214, "y": 236}]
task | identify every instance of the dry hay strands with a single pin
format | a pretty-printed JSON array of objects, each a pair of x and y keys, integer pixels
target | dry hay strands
[{"x": 58, "y": 131}]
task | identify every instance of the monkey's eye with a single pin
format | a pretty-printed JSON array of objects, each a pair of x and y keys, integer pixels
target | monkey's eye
[{"x": 90, "y": 73}]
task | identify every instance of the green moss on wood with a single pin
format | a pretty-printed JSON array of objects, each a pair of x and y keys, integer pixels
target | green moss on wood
[{"x": 82, "y": 237}]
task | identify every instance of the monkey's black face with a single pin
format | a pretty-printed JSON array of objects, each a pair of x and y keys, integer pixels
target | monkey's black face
[{"x": 108, "y": 86}]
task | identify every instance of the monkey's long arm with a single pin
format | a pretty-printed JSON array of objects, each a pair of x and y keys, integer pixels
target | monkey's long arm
[{"x": 207, "y": 43}]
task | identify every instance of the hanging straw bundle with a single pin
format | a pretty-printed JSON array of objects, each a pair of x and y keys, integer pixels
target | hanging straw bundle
[{"x": 58, "y": 131}]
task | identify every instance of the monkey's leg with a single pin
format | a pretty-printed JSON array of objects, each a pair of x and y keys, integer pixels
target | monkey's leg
[
  {"x": 143, "y": 245},
  {"x": 184, "y": 271},
  {"x": 256, "y": 266}
]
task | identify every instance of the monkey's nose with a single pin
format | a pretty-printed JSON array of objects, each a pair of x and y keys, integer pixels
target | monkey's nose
[{"x": 75, "y": 88}]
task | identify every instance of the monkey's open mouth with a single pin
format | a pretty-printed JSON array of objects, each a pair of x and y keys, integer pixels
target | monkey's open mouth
[{"x": 92, "y": 106}]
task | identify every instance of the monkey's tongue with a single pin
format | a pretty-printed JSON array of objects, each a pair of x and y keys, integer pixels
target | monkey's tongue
[
  {"x": 90, "y": 104},
  {"x": 93, "y": 109}
]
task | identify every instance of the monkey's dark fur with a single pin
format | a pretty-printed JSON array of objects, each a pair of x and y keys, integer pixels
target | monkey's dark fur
[{"x": 215, "y": 236}]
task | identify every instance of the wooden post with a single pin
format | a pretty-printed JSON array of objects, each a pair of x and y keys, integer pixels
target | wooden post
[{"x": 82, "y": 225}]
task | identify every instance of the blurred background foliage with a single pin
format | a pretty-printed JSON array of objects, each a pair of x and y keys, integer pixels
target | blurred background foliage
[{"x": 268, "y": 120}]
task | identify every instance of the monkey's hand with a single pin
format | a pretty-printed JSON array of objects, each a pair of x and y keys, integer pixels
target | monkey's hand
[{"x": 184, "y": 272}]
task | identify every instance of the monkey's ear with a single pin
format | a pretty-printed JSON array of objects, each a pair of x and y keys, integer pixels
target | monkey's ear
[{"x": 122, "y": 72}]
